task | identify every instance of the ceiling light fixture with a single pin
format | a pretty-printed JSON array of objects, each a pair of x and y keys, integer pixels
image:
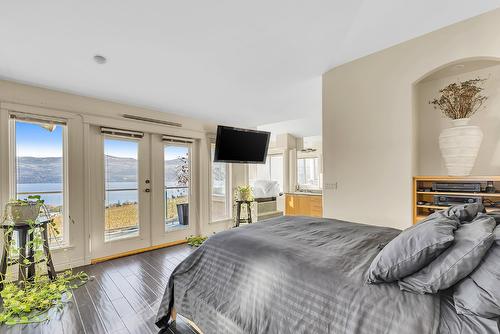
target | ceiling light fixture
[{"x": 100, "y": 59}]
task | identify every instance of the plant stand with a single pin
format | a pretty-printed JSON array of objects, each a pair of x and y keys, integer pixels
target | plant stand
[
  {"x": 24, "y": 235},
  {"x": 238, "y": 212}
]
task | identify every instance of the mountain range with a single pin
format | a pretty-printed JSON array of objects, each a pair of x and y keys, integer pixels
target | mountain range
[{"x": 49, "y": 169}]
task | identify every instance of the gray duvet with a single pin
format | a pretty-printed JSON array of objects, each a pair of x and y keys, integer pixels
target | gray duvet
[{"x": 299, "y": 275}]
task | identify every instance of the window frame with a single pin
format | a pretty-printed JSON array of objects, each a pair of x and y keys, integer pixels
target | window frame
[
  {"x": 269, "y": 168},
  {"x": 317, "y": 172},
  {"x": 229, "y": 193},
  {"x": 65, "y": 238},
  {"x": 281, "y": 184}
]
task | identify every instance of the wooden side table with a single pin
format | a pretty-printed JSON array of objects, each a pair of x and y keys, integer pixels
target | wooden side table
[
  {"x": 24, "y": 235},
  {"x": 238, "y": 212}
]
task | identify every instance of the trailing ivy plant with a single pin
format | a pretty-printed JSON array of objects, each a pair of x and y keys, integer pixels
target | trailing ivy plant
[
  {"x": 196, "y": 241},
  {"x": 28, "y": 301}
]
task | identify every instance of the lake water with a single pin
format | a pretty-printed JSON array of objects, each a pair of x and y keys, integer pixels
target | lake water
[{"x": 112, "y": 197}]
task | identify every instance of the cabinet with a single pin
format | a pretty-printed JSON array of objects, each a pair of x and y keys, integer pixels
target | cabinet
[
  {"x": 303, "y": 205},
  {"x": 424, "y": 194}
]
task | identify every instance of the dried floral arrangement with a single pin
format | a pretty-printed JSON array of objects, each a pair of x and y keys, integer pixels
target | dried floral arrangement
[{"x": 461, "y": 100}]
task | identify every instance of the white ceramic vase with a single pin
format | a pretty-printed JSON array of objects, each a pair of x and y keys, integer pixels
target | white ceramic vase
[{"x": 459, "y": 146}]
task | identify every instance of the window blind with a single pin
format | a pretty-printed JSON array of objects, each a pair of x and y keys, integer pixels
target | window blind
[
  {"x": 36, "y": 118},
  {"x": 173, "y": 139},
  {"x": 122, "y": 133}
]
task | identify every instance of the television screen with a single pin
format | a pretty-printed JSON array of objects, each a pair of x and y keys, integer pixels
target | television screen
[{"x": 241, "y": 145}]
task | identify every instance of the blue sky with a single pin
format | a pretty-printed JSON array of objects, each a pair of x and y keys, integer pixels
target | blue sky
[
  {"x": 173, "y": 152},
  {"x": 120, "y": 148},
  {"x": 34, "y": 141}
]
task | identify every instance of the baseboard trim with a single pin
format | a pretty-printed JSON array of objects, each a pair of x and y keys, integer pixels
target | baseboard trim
[
  {"x": 137, "y": 251},
  {"x": 61, "y": 266}
]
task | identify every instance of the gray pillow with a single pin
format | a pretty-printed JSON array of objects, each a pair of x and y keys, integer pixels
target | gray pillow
[
  {"x": 413, "y": 249},
  {"x": 472, "y": 241},
  {"x": 464, "y": 212},
  {"x": 479, "y": 293},
  {"x": 496, "y": 215}
]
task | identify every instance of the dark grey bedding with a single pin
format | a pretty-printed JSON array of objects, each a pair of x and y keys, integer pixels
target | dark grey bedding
[
  {"x": 451, "y": 322},
  {"x": 296, "y": 275}
]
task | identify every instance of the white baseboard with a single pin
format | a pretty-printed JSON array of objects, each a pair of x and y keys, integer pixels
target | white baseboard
[{"x": 63, "y": 265}]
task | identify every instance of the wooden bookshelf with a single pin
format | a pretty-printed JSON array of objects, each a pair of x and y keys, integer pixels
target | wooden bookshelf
[{"x": 420, "y": 211}]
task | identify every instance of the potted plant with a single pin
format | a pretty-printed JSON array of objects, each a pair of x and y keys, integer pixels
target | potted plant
[
  {"x": 22, "y": 211},
  {"x": 244, "y": 193},
  {"x": 29, "y": 300},
  {"x": 460, "y": 144},
  {"x": 183, "y": 180}
]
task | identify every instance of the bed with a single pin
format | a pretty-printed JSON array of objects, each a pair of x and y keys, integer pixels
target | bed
[{"x": 302, "y": 275}]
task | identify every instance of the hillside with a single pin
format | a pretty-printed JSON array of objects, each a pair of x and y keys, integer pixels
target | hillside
[{"x": 48, "y": 170}]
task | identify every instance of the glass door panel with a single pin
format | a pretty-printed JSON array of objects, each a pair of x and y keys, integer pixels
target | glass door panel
[
  {"x": 122, "y": 190},
  {"x": 121, "y": 170},
  {"x": 177, "y": 162}
]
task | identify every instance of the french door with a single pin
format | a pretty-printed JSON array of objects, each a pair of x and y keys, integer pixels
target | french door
[
  {"x": 142, "y": 186},
  {"x": 122, "y": 219},
  {"x": 172, "y": 206}
]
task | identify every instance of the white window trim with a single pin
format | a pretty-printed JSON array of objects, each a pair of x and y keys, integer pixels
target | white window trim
[
  {"x": 318, "y": 172},
  {"x": 64, "y": 243},
  {"x": 229, "y": 192}
]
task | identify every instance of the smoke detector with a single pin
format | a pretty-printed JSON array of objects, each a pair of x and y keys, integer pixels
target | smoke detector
[{"x": 100, "y": 59}]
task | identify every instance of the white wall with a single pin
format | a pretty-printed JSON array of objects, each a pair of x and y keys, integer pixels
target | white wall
[
  {"x": 84, "y": 114},
  {"x": 369, "y": 145},
  {"x": 431, "y": 123}
]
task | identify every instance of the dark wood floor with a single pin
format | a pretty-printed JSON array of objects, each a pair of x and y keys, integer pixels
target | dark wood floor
[{"x": 122, "y": 298}]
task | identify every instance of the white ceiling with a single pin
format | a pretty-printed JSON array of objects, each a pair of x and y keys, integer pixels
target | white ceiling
[
  {"x": 236, "y": 62},
  {"x": 301, "y": 127}
]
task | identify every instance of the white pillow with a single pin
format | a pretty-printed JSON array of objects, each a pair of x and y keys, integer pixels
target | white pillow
[{"x": 265, "y": 188}]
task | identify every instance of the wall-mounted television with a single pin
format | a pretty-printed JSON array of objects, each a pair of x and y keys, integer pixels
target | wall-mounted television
[{"x": 241, "y": 145}]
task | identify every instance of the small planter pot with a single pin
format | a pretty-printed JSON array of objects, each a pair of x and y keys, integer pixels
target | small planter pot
[
  {"x": 183, "y": 213},
  {"x": 244, "y": 198},
  {"x": 22, "y": 214},
  {"x": 459, "y": 146}
]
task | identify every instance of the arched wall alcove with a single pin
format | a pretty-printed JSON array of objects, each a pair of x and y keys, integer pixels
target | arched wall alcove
[{"x": 429, "y": 122}]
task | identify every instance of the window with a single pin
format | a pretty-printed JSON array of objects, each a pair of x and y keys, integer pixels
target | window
[
  {"x": 121, "y": 192},
  {"x": 221, "y": 190},
  {"x": 272, "y": 170},
  {"x": 40, "y": 161},
  {"x": 308, "y": 172},
  {"x": 177, "y": 159},
  {"x": 276, "y": 169}
]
